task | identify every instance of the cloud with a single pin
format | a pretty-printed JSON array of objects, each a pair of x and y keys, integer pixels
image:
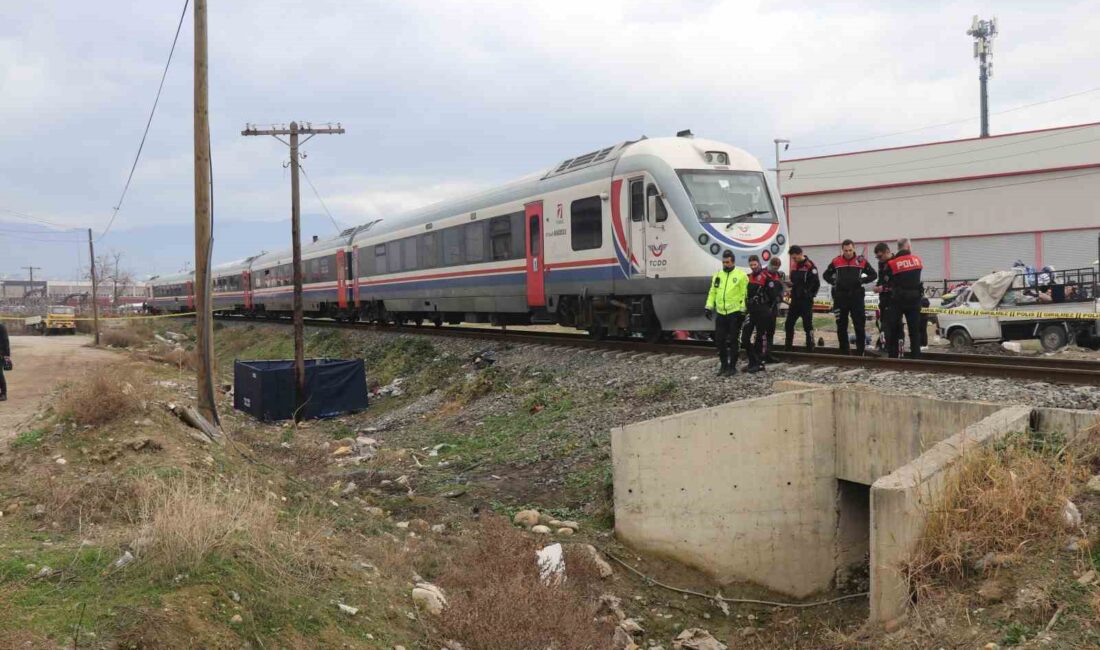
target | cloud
[{"x": 441, "y": 97}]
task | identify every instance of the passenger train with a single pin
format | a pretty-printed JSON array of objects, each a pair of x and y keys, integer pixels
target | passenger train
[{"x": 619, "y": 241}]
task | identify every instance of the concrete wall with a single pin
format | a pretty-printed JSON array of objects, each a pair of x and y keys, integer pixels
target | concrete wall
[
  {"x": 1070, "y": 422},
  {"x": 900, "y": 502},
  {"x": 878, "y": 433},
  {"x": 743, "y": 491}
]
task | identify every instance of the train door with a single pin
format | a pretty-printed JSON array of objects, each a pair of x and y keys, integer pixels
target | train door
[
  {"x": 636, "y": 227},
  {"x": 355, "y": 274},
  {"x": 536, "y": 283},
  {"x": 341, "y": 279},
  {"x": 189, "y": 287},
  {"x": 246, "y": 286}
]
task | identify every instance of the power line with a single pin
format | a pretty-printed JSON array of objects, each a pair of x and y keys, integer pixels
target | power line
[
  {"x": 969, "y": 189},
  {"x": 942, "y": 124},
  {"x": 148, "y": 124},
  {"x": 24, "y": 215},
  {"x": 318, "y": 195}
]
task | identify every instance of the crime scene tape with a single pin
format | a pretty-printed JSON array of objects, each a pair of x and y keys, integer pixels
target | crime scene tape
[{"x": 1001, "y": 313}]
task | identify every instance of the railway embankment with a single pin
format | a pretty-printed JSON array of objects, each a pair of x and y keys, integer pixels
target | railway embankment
[{"x": 320, "y": 534}]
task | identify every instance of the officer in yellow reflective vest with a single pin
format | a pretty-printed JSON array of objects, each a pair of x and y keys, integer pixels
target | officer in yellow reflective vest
[{"x": 726, "y": 304}]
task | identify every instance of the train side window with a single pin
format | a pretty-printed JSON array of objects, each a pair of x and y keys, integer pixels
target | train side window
[
  {"x": 408, "y": 254},
  {"x": 637, "y": 200},
  {"x": 327, "y": 269},
  {"x": 453, "y": 250},
  {"x": 429, "y": 250},
  {"x": 393, "y": 256},
  {"x": 500, "y": 237},
  {"x": 475, "y": 241},
  {"x": 517, "y": 235},
  {"x": 535, "y": 237},
  {"x": 662, "y": 211},
  {"x": 586, "y": 223}
]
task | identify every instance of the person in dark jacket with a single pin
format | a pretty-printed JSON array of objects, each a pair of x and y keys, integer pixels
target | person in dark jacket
[
  {"x": 5, "y": 358},
  {"x": 804, "y": 283},
  {"x": 761, "y": 304},
  {"x": 848, "y": 273},
  {"x": 903, "y": 278},
  {"x": 781, "y": 281},
  {"x": 885, "y": 301}
]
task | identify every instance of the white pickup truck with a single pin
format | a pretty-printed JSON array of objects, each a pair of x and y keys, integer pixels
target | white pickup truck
[{"x": 1063, "y": 310}]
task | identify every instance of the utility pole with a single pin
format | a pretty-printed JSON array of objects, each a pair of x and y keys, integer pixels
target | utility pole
[
  {"x": 32, "y": 269},
  {"x": 95, "y": 287},
  {"x": 204, "y": 344},
  {"x": 984, "y": 31},
  {"x": 785, "y": 143},
  {"x": 293, "y": 131}
]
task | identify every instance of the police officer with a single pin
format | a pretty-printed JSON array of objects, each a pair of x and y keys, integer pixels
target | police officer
[
  {"x": 726, "y": 304},
  {"x": 781, "y": 281},
  {"x": 805, "y": 284},
  {"x": 903, "y": 278},
  {"x": 848, "y": 273},
  {"x": 761, "y": 304},
  {"x": 769, "y": 329},
  {"x": 885, "y": 301}
]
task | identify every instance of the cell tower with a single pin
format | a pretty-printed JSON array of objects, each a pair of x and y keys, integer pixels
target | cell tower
[{"x": 984, "y": 31}]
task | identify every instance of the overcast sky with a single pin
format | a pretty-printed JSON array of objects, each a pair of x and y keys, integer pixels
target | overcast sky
[{"x": 441, "y": 98}]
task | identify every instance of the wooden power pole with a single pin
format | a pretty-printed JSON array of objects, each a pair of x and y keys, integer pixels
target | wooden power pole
[
  {"x": 204, "y": 347},
  {"x": 293, "y": 131},
  {"x": 95, "y": 287}
]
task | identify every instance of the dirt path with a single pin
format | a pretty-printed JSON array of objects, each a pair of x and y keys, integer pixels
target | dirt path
[{"x": 41, "y": 362}]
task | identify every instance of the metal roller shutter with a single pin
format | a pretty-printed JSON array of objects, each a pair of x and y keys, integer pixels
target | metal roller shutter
[
  {"x": 1072, "y": 249},
  {"x": 930, "y": 252},
  {"x": 973, "y": 257}
]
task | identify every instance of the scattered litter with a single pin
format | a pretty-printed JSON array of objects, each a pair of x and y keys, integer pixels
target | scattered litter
[
  {"x": 551, "y": 561},
  {"x": 348, "y": 609},
  {"x": 430, "y": 597},
  {"x": 125, "y": 559}
]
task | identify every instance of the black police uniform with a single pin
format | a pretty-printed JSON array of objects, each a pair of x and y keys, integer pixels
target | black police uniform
[
  {"x": 885, "y": 312},
  {"x": 805, "y": 284},
  {"x": 848, "y": 277},
  {"x": 903, "y": 278},
  {"x": 763, "y": 286}
]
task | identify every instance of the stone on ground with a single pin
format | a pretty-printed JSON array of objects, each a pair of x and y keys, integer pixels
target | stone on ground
[
  {"x": 429, "y": 597},
  {"x": 526, "y": 518}
]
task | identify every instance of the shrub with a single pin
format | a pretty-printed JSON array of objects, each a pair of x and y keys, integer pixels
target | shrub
[
  {"x": 1000, "y": 499},
  {"x": 123, "y": 337},
  {"x": 496, "y": 599},
  {"x": 102, "y": 396}
]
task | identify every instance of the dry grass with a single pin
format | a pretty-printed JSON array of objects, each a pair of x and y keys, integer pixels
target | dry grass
[
  {"x": 182, "y": 359},
  {"x": 496, "y": 600},
  {"x": 186, "y": 519},
  {"x": 1002, "y": 500},
  {"x": 123, "y": 337},
  {"x": 103, "y": 396}
]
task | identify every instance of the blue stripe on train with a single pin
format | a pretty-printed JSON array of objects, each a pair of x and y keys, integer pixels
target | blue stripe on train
[{"x": 582, "y": 274}]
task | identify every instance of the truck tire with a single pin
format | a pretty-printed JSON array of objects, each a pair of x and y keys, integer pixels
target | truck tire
[
  {"x": 960, "y": 339},
  {"x": 1053, "y": 337}
]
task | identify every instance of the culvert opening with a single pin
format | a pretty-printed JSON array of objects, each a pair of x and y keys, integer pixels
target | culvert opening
[{"x": 816, "y": 489}]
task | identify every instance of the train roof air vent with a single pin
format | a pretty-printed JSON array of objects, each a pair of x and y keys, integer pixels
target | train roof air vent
[{"x": 587, "y": 160}]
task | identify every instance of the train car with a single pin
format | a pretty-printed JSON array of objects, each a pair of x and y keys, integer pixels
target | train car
[
  {"x": 325, "y": 273},
  {"x": 231, "y": 287},
  {"x": 172, "y": 293},
  {"x": 619, "y": 241}
]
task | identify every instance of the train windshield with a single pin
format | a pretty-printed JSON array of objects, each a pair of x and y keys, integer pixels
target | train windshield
[{"x": 729, "y": 197}]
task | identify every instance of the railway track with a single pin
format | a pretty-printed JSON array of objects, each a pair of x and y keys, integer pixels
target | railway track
[{"x": 1045, "y": 369}]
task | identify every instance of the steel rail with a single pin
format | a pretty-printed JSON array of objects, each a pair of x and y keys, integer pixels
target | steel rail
[{"x": 1069, "y": 371}]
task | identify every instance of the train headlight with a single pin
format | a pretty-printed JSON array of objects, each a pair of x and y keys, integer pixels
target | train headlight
[
  {"x": 780, "y": 239},
  {"x": 717, "y": 158},
  {"x": 714, "y": 248},
  {"x": 703, "y": 238}
]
